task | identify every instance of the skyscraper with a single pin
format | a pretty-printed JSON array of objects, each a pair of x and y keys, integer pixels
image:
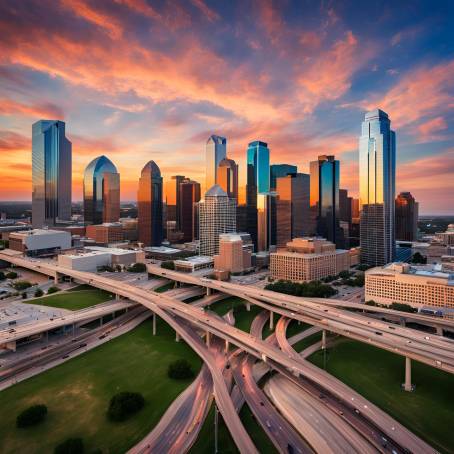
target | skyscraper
[
  {"x": 227, "y": 177},
  {"x": 216, "y": 151},
  {"x": 280, "y": 170},
  {"x": 293, "y": 210},
  {"x": 266, "y": 221},
  {"x": 258, "y": 180},
  {"x": 51, "y": 173},
  {"x": 325, "y": 199},
  {"x": 172, "y": 199},
  {"x": 149, "y": 205},
  {"x": 188, "y": 198},
  {"x": 406, "y": 217},
  {"x": 217, "y": 214},
  {"x": 101, "y": 192},
  {"x": 377, "y": 175}
]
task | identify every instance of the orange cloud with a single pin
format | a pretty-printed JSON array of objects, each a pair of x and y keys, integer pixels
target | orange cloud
[
  {"x": 430, "y": 127},
  {"x": 211, "y": 15},
  {"x": 43, "y": 110}
]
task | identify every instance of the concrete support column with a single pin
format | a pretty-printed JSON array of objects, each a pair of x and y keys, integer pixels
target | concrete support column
[
  {"x": 439, "y": 331},
  {"x": 154, "y": 324},
  {"x": 209, "y": 291},
  {"x": 73, "y": 329},
  {"x": 100, "y": 321},
  {"x": 177, "y": 337},
  {"x": 402, "y": 322},
  {"x": 208, "y": 339},
  {"x": 248, "y": 306},
  {"x": 271, "y": 320},
  {"x": 226, "y": 346},
  {"x": 407, "y": 385},
  {"x": 323, "y": 339},
  {"x": 175, "y": 285},
  {"x": 117, "y": 297}
]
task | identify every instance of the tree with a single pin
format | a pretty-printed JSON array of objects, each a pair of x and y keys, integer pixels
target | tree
[
  {"x": 31, "y": 416},
  {"x": 70, "y": 446},
  {"x": 118, "y": 268},
  {"x": 104, "y": 268},
  {"x": 137, "y": 268},
  {"x": 24, "y": 295},
  {"x": 403, "y": 307},
  {"x": 363, "y": 267},
  {"x": 38, "y": 293},
  {"x": 344, "y": 274},
  {"x": 310, "y": 289},
  {"x": 168, "y": 265},
  {"x": 180, "y": 369},
  {"x": 11, "y": 275},
  {"x": 418, "y": 258},
  {"x": 52, "y": 289},
  {"x": 124, "y": 404},
  {"x": 2, "y": 276},
  {"x": 21, "y": 285}
]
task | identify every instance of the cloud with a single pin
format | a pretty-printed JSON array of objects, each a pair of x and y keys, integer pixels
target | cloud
[
  {"x": 210, "y": 14},
  {"x": 430, "y": 127},
  {"x": 37, "y": 110}
]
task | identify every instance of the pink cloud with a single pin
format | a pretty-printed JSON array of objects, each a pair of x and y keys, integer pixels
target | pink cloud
[
  {"x": 36, "y": 110},
  {"x": 211, "y": 15},
  {"x": 430, "y": 127}
]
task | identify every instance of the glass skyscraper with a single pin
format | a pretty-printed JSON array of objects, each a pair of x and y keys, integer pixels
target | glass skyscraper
[
  {"x": 216, "y": 151},
  {"x": 324, "y": 199},
  {"x": 280, "y": 170},
  {"x": 377, "y": 179},
  {"x": 149, "y": 205},
  {"x": 51, "y": 173},
  {"x": 227, "y": 177},
  {"x": 101, "y": 192},
  {"x": 406, "y": 217}
]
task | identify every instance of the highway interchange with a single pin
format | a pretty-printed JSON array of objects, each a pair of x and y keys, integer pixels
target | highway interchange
[{"x": 189, "y": 321}]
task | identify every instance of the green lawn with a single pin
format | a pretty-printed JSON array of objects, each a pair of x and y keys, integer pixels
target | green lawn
[
  {"x": 73, "y": 300},
  {"x": 77, "y": 394},
  {"x": 165, "y": 287},
  {"x": 378, "y": 375}
]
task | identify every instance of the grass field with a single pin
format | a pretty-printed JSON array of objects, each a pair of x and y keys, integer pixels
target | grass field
[
  {"x": 77, "y": 394},
  {"x": 378, "y": 375},
  {"x": 165, "y": 287},
  {"x": 73, "y": 300}
]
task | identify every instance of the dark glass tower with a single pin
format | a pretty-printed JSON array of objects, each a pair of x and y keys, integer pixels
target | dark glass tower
[
  {"x": 101, "y": 192},
  {"x": 51, "y": 173},
  {"x": 149, "y": 204},
  {"x": 406, "y": 217},
  {"x": 280, "y": 170}
]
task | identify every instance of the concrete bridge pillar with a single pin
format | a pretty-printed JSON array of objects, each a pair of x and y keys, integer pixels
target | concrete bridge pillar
[
  {"x": 117, "y": 297},
  {"x": 324, "y": 339},
  {"x": 175, "y": 285},
  {"x": 407, "y": 385},
  {"x": 248, "y": 307},
  {"x": 154, "y": 324},
  {"x": 177, "y": 337},
  {"x": 271, "y": 320},
  {"x": 402, "y": 322},
  {"x": 439, "y": 331},
  {"x": 208, "y": 339},
  {"x": 209, "y": 290},
  {"x": 226, "y": 346}
]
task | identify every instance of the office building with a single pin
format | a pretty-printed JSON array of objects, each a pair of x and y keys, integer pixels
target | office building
[
  {"x": 345, "y": 206},
  {"x": 189, "y": 197},
  {"x": 234, "y": 256},
  {"x": 195, "y": 263},
  {"x": 149, "y": 205},
  {"x": 324, "y": 199},
  {"x": 217, "y": 215},
  {"x": 101, "y": 192},
  {"x": 38, "y": 242},
  {"x": 446, "y": 238},
  {"x": 377, "y": 175},
  {"x": 227, "y": 177},
  {"x": 417, "y": 286},
  {"x": 355, "y": 209},
  {"x": 106, "y": 233},
  {"x": 308, "y": 259},
  {"x": 280, "y": 170},
  {"x": 406, "y": 217},
  {"x": 292, "y": 207},
  {"x": 216, "y": 151},
  {"x": 172, "y": 199},
  {"x": 51, "y": 173},
  {"x": 266, "y": 221}
]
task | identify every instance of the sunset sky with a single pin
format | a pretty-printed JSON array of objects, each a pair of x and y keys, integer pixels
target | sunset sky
[{"x": 139, "y": 80}]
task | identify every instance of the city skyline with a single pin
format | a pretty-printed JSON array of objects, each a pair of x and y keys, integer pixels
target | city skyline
[{"x": 156, "y": 111}]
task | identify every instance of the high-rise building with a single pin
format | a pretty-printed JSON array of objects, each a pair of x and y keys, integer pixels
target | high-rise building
[
  {"x": 234, "y": 256},
  {"x": 149, "y": 205},
  {"x": 227, "y": 177},
  {"x": 355, "y": 208},
  {"x": 216, "y": 151},
  {"x": 51, "y": 173},
  {"x": 266, "y": 221},
  {"x": 377, "y": 176},
  {"x": 172, "y": 199},
  {"x": 258, "y": 180},
  {"x": 325, "y": 199},
  {"x": 217, "y": 214},
  {"x": 101, "y": 192},
  {"x": 280, "y": 170},
  {"x": 189, "y": 197},
  {"x": 406, "y": 217},
  {"x": 292, "y": 207},
  {"x": 345, "y": 206}
]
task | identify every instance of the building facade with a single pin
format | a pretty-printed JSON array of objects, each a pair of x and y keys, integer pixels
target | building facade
[
  {"x": 308, "y": 259},
  {"x": 280, "y": 170},
  {"x": 292, "y": 207},
  {"x": 217, "y": 215},
  {"x": 149, "y": 205},
  {"x": 189, "y": 197},
  {"x": 216, "y": 151},
  {"x": 51, "y": 173},
  {"x": 101, "y": 192},
  {"x": 266, "y": 221},
  {"x": 234, "y": 256},
  {"x": 377, "y": 176},
  {"x": 172, "y": 199},
  {"x": 406, "y": 213},
  {"x": 324, "y": 198},
  {"x": 39, "y": 241},
  {"x": 107, "y": 233},
  {"x": 227, "y": 177}
]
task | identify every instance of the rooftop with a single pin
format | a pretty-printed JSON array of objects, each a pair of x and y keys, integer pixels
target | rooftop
[
  {"x": 109, "y": 250},
  {"x": 40, "y": 232},
  {"x": 197, "y": 259}
]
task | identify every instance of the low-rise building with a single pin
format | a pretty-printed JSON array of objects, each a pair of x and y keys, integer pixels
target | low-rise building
[
  {"x": 447, "y": 237},
  {"x": 109, "y": 232},
  {"x": 39, "y": 241},
  {"x": 308, "y": 259},
  {"x": 164, "y": 253},
  {"x": 234, "y": 256},
  {"x": 418, "y": 286},
  {"x": 196, "y": 263}
]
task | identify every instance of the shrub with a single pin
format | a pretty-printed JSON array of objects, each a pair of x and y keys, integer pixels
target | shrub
[
  {"x": 124, "y": 404},
  {"x": 345, "y": 274},
  {"x": 21, "y": 285},
  {"x": 105, "y": 268},
  {"x": 402, "y": 307},
  {"x": 418, "y": 258},
  {"x": 52, "y": 289},
  {"x": 168, "y": 265},
  {"x": 137, "y": 268},
  {"x": 180, "y": 369},
  {"x": 11, "y": 275},
  {"x": 70, "y": 446},
  {"x": 24, "y": 295},
  {"x": 2, "y": 276},
  {"x": 31, "y": 416},
  {"x": 39, "y": 293},
  {"x": 313, "y": 289}
]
